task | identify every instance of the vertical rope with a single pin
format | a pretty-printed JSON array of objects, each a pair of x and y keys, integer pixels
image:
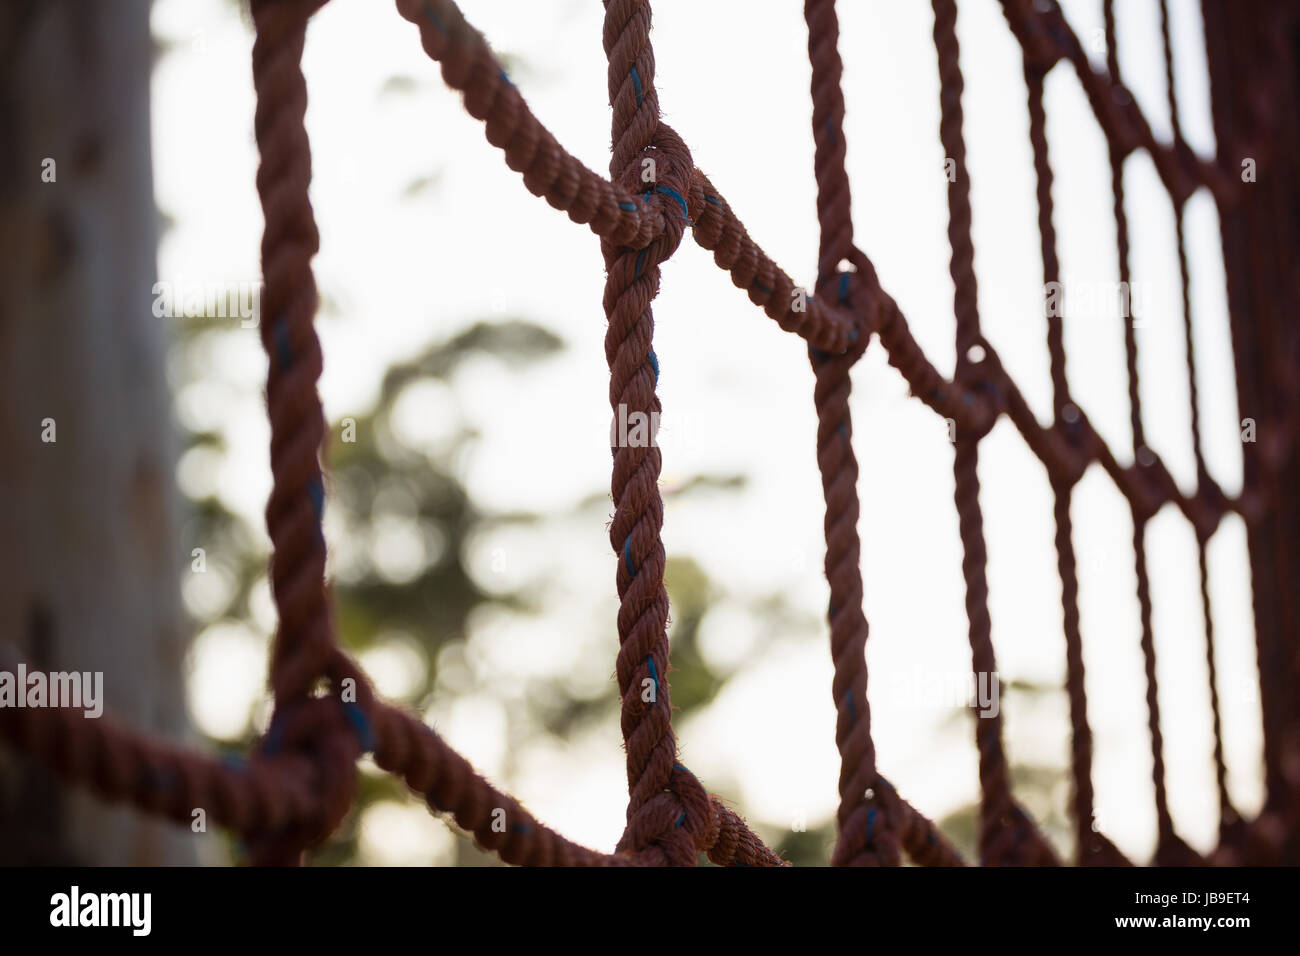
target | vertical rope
[
  {"x": 304, "y": 648},
  {"x": 1170, "y": 849},
  {"x": 858, "y": 780},
  {"x": 859, "y": 842},
  {"x": 833, "y": 198},
  {"x": 1092, "y": 847},
  {"x": 873, "y": 821},
  {"x": 1006, "y": 834},
  {"x": 631, "y": 284},
  {"x": 1229, "y": 819},
  {"x": 289, "y": 240}
]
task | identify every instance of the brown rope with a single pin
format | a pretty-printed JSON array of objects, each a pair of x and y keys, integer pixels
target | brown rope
[
  {"x": 612, "y": 212},
  {"x": 295, "y": 788},
  {"x": 872, "y": 842},
  {"x": 873, "y": 820},
  {"x": 1170, "y": 849},
  {"x": 659, "y": 812},
  {"x": 1093, "y": 848},
  {"x": 1006, "y": 834}
]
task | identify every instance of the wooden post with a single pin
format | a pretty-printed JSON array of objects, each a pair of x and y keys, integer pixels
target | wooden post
[{"x": 89, "y": 557}]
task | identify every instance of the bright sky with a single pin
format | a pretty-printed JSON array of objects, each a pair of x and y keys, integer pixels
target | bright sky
[{"x": 737, "y": 392}]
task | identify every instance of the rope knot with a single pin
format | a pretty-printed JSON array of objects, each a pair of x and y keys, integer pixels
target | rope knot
[
  {"x": 869, "y": 837},
  {"x": 843, "y": 290},
  {"x": 678, "y": 822},
  {"x": 329, "y": 736},
  {"x": 662, "y": 174},
  {"x": 981, "y": 374}
]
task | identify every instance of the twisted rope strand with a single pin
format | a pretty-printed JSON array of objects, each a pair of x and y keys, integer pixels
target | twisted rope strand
[
  {"x": 617, "y": 214},
  {"x": 297, "y": 421},
  {"x": 1006, "y": 834},
  {"x": 1092, "y": 847},
  {"x": 872, "y": 821},
  {"x": 833, "y": 198},
  {"x": 1170, "y": 848},
  {"x": 662, "y": 796}
]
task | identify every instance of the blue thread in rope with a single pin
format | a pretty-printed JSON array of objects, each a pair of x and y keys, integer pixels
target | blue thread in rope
[
  {"x": 715, "y": 200},
  {"x": 853, "y": 711},
  {"x": 654, "y": 672},
  {"x": 281, "y": 329},
  {"x": 317, "y": 492},
  {"x": 627, "y": 555},
  {"x": 233, "y": 762},
  {"x": 627, "y": 206},
  {"x": 843, "y": 432},
  {"x": 669, "y": 191},
  {"x": 640, "y": 262},
  {"x": 433, "y": 18},
  {"x": 361, "y": 723},
  {"x": 762, "y": 288},
  {"x": 636, "y": 84},
  {"x": 654, "y": 363},
  {"x": 844, "y": 289},
  {"x": 505, "y": 76},
  {"x": 681, "y": 819},
  {"x": 521, "y": 828},
  {"x": 871, "y": 821},
  {"x": 830, "y": 609}
]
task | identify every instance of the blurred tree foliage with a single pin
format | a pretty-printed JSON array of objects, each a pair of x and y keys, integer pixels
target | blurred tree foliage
[{"x": 376, "y": 480}]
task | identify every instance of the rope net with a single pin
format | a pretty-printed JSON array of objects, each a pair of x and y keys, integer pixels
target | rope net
[{"x": 294, "y": 789}]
